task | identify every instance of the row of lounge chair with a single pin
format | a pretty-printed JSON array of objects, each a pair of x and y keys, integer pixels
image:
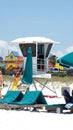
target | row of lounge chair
[
  {"x": 18, "y": 100},
  {"x": 31, "y": 99}
]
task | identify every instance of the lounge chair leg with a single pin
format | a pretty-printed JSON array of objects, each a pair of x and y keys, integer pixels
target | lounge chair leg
[
  {"x": 71, "y": 110},
  {"x": 58, "y": 110},
  {"x": 34, "y": 109}
]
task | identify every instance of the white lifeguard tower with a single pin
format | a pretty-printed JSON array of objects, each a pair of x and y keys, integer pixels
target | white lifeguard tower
[{"x": 41, "y": 47}]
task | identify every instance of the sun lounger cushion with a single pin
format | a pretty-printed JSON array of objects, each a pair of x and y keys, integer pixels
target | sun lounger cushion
[
  {"x": 32, "y": 97},
  {"x": 11, "y": 96},
  {"x": 54, "y": 105}
]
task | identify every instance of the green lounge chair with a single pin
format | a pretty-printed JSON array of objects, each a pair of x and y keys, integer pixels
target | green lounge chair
[
  {"x": 11, "y": 96},
  {"x": 58, "y": 108},
  {"x": 33, "y": 99}
]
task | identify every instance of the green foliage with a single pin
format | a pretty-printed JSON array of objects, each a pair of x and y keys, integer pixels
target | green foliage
[{"x": 62, "y": 74}]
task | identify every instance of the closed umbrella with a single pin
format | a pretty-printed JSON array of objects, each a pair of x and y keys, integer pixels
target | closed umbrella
[{"x": 27, "y": 74}]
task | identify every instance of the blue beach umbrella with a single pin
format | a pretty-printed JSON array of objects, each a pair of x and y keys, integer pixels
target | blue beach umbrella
[
  {"x": 27, "y": 74},
  {"x": 66, "y": 59},
  {"x": 62, "y": 64}
]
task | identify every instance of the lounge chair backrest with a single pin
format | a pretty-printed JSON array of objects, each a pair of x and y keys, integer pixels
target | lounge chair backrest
[
  {"x": 12, "y": 96},
  {"x": 33, "y": 97}
]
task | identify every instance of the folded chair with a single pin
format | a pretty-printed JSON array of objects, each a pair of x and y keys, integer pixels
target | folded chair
[
  {"x": 34, "y": 99},
  {"x": 11, "y": 96}
]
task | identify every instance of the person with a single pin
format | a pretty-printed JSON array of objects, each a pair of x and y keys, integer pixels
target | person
[{"x": 67, "y": 97}]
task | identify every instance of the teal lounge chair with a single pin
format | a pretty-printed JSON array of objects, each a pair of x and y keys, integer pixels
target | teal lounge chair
[
  {"x": 33, "y": 99},
  {"x": 11, "y": 96},
  {"x": 58, "y": 108}
]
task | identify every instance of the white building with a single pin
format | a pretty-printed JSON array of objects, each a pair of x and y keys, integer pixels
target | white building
[{"x": 41, "y": 47}]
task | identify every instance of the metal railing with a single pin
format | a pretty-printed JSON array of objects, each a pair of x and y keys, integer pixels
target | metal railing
[{"x": 41, "y": 64}]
